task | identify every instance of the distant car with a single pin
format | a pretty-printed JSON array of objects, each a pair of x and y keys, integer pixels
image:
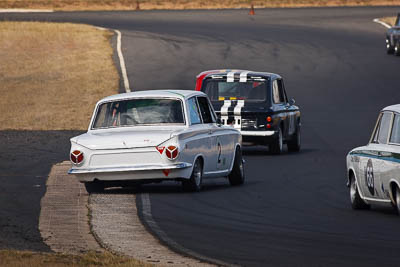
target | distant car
[
  {"x": 374, "y": 170},
  {"x": 256, "y": 104},
  {"x": 393, "y": 38},
  {"x": 151, "y": 136}
]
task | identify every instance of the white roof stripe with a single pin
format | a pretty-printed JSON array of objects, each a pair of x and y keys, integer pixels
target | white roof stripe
[
  {"x": 243, "y": 76},
  {"x": 230, "y": 77}
]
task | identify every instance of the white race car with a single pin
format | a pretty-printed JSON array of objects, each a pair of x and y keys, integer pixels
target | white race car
[
  {"x": 151, "y": 136},
  {"x": 374, "y": 170}
]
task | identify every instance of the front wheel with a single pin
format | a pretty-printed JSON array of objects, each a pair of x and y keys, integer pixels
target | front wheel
[
  {"x": 356, "y": 201},
  {"x": 236, "y": 177},
  {"x": 397, "y": 198},
  {"x": 194, "y": 183}
]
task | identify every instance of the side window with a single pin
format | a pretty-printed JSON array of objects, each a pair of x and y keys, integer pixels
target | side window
[
  {"x": 395, "y": 135},
  {"x": 275, "y": 92},
  {"x": 384, "y": 128},
  {"x": 282, "y": 93},
  {"x": 205, "y": 110},
  {"x": 193, "y": 111},
  {"x": 374, "y": 138}
]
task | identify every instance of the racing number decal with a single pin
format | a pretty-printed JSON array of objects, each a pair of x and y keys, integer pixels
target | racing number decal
[{"x": 369, "y": 177}]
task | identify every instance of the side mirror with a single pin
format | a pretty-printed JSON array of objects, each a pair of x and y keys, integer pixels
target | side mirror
[
  {"x": 219, "y": 121},
  {"x": 292, "y": 101}
]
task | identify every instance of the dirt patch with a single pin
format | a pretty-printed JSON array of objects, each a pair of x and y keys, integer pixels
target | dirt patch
[
  {"x": 35, "y": 259},
  {"x": 389, "y": 20},
  {"x": 64, "y": 222},
  {"x": 116, "y": 223},
  {"x": 52, "y": 74},
  {"x": 183, "y": 4}
]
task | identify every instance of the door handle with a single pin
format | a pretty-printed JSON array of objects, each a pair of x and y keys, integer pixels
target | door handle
[{"x": 210, "y": 132}]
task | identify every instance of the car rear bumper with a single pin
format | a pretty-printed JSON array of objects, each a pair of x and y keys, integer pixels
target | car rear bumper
[
  {"x": 135, "y": 172},
  {"x": 257, "y": 133}
]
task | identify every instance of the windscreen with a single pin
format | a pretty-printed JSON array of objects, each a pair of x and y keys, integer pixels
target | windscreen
[
  {"x": 136, "y": 112},
  {"x": 218, "y": 90}
]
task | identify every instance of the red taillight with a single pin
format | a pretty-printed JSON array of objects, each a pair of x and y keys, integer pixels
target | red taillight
[
  {"x": 76, "y": 156},
  {"x": 160, "y": 149},
  {"x": 171, "y": 152},
  {"x": 269, "y": 119},
  {"x": 268, "y": 126}
]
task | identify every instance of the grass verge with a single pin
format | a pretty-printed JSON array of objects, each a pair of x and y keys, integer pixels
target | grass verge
[
  {"x": 52, "y": 74},
  {"x": 183, "y": 4},
  {"x": 36, "y": 259},
  {"x": 389, "y": 20}
]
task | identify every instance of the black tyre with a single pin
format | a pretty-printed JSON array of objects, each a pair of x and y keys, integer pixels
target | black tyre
[
  {"x": 295, "y": 143},
  {"x": 236, "y": 177},
  {"x": 397, "y": 48},
  {"x": 194, "y": 183},
  {"x": 277, "y": 146},
  {"x": 94, "y": 187},
  {"x": 356, "y": 201},
  {"x": 397, "y": 199},
  {"x": 389, "y": 47}
]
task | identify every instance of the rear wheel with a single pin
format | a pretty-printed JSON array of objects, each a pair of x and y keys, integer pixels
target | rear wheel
[
  {"x": 194, "y": 183},
  {"x": 277, "y": 146},
  {"x": 295, "y": 144},
  {"x": 389, "y": 47},
  {"x": 356, "y": 201},
  {"x": 236, "y": 177},
  {"x": 94, "y": 187}
]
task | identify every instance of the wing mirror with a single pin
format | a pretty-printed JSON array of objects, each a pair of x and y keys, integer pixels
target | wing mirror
[
  {"x": 219, "y": 121},
  {"x": 292, "y": 101}
]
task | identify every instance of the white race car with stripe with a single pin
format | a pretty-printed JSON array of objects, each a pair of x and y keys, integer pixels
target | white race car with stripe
[
  {"x": 256, "y": 104},
  {"x": 374, "y": 170},
  {"x": 151, "y": 136}
]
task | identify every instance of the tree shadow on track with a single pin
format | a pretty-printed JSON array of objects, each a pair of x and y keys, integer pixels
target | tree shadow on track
[
  {"x": 264, "y": 151},
  {"x": 172, "y": 187}
]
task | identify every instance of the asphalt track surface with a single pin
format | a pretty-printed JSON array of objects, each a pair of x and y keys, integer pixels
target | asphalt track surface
[{"x": 294, "y": 209}]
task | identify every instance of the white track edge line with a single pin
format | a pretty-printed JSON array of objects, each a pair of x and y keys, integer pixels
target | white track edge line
[
  {"x": 147, "y": 215},
  {"x": 122, "y": 62},
  {"x": 382, "y": 23},
  {"x": 121, "y": 58}
]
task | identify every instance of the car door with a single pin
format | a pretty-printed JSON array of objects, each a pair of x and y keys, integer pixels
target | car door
[
  {"x": 372, "y": 161},
  {"x": 220, "y": 153},
  {"x": 200, "y": 141},
  {"x": 391, "y": 157},
  {"x": 208, "y": 121},
  {"x": 280, "y": 104},
  {"x": 290, "y": 109}
]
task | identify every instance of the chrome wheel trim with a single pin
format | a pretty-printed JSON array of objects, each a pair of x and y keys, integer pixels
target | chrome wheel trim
[
  {"x": 241, "y": 168},
  {"x": 353, "y": 190},
  {"x": 197, "y": 173}
]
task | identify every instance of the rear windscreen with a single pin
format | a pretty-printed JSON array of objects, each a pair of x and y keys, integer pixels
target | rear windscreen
[
  {"x": 222, "y": 90},
  {"x": 136, "y": 112}
]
